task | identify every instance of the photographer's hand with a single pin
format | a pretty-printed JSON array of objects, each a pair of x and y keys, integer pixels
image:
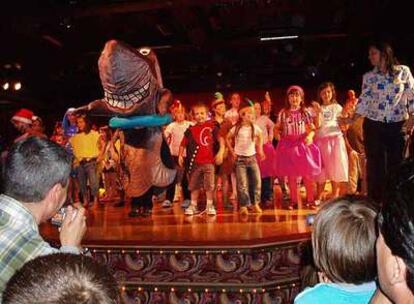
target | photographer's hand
[{"x": 73, "y": 227}]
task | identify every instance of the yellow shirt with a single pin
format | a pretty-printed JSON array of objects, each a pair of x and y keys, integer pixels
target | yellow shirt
[{"x": 85, "y": 145}]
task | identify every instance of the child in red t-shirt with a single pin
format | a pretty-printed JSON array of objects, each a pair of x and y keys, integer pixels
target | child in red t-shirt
[{"x": 204, "y": 148}]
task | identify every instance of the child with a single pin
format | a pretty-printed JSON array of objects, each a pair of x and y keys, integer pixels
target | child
[
  {"x": 233, "y": 116},
  {"x": 246, "y": 134},
  {"x": 223, "y": 172},
  {"x": 174, "y": 134},
  {"x": 354, "y": 141},
  {"x": 86, "y": 151},
  {"x": 266, "y": 166},
  {"x": 343, "y": 241},
  {"x": 296, "y": 155},
  {"x": 200, "y": 142},
  {"x": 330, "y": 140}
]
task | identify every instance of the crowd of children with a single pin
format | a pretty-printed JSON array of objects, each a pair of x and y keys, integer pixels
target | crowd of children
[{"x": 242, "y": 152}]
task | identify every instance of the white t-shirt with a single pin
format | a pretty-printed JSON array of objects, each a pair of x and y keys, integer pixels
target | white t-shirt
[
  {"x": 174, "y": 134},
  {"x": 329, "y": 123},
  {"x": 244, "y": 145}
]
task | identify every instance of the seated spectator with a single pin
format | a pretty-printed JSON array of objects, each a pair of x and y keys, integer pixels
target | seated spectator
[
  {"x": 62, "y": 278},
  {"x": 395, "y": 249},
  {"x": 343, "y": 243},
  {"x": 35, "y": 180}
]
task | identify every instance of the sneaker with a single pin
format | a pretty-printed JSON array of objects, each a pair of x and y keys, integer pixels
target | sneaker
[
  {"x": 191, "y": 210},
  {"x": 211, "y": 210},
  {"x": 166, "y": 204},
  {"x": 244, "y": 211},
  {"x": 185, "y": 203},
  {"x": 256, "y": 209}
]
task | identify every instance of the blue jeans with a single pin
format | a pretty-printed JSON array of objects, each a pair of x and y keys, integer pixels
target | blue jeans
[
  {"x": 87, "y": 171},
  {"x": 248, "y": 177}
]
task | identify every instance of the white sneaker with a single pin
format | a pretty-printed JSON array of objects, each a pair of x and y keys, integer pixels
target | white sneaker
[
  {"x": 211, "y": 210},
  {"x": 191, "y": 210},
  {"x": 166, "y": 204}
]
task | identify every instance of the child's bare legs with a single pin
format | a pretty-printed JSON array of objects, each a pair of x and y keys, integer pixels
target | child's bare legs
[
  {"x": 319, "y": 191},
  {"x": 194, "y": 197},
  {"x": 335, "y": 189},
  {"x": 294, "y": 196},
  {"x": 310, "y": 192}
]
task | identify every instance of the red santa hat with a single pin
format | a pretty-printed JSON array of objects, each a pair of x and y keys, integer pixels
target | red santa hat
[{"x": 24, "y": 116}]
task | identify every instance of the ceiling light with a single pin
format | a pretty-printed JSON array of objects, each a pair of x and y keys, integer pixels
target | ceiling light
[
  {"x": 278, "y": 38},
  {"x": 6, "y": 86},
  {"x": 17, "y": 85}
]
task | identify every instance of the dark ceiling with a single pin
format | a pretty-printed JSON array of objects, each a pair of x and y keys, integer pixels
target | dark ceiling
[{"x": 52, "y": 46}]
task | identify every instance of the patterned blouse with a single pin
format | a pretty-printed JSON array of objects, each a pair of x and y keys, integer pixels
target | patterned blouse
[
  {"x": 385, "y": 97},
  {"x": 294, "y": 123}
]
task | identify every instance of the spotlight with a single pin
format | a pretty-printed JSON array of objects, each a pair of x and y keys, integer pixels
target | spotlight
[
  {"x": 17, "y": 86},
  {"x": 6, "y": 86}
]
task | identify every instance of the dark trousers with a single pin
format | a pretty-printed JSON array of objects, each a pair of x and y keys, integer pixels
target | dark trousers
[
  {"x": 384, "y": 144},
  {"x": 267, "y": 189},
  {"x": 144, "y": 201},
  {"x": 181, "y": 178}
]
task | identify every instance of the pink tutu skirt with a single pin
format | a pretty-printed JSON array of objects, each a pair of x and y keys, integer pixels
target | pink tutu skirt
[
  {"x": 294, "y": 158},
  {"x": 334, "y": 159},
  {"x": 266, "y": 166}
]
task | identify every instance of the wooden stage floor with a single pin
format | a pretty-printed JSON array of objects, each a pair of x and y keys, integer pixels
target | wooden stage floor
[{"x": 169, "y": 227}]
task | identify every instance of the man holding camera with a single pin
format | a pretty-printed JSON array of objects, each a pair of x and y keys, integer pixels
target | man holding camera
[{"x": 35, "y": 181}]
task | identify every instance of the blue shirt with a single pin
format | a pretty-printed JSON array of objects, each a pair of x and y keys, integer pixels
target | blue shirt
[
  {"x": 338, "y": 293},
  {"x": 385, "y": 97}
]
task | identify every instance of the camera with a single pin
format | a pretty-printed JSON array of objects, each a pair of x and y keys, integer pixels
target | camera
[{"x": 58, "y": 218}]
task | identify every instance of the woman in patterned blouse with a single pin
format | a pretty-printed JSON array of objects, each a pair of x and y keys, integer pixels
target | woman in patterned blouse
[{"x": 386, "y": 102}]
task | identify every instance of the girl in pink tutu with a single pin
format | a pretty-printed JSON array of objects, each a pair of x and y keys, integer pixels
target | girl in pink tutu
[
  {"x": 296, "y": 155},
  {"x": 330, "y": 140}
]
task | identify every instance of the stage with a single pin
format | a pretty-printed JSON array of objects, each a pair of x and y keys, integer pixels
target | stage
[{"x": 170, "y": 257}]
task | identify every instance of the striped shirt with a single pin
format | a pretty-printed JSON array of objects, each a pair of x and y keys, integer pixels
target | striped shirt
[
  {"x": 293, "y": 123},
  {"x": 20, "y": 240}
]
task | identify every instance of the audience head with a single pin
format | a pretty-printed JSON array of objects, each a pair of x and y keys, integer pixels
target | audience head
[
  {"x": 343, "y": 240},
  {"x": 36, "y": 171},
  {"x": 395, "y": 249},
  {"x": 62, "y": 278},
  {"x": 326, "y": 93}
]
